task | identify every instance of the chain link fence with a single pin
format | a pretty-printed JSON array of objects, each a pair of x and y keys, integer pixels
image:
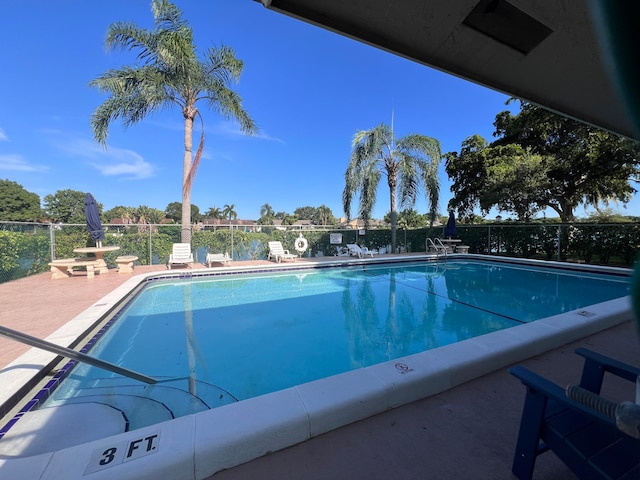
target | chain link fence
[{"x": 27, "y": 248}]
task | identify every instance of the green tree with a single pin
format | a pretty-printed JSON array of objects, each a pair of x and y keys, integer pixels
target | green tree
[
  {"x": 66, "y": 206},
  {"x": 607, "y": 215},
  {"x": 196, "y": 216},
  {"x": 323, "y": 216},
  {"x": 288, "y": 219},
  {"x": 584, "y": 165},
  {"x": 229, "y": 212},
  {"x": 169, "y": 74},
  {"x": 541, "y": 160},
  {"x": 17, "y": 204},
  {"x": 514, "y": 181},
  {"x": 128, "y": 214},
  {"x": 149, "y": 215},
  {"x": 267, "y": 215},
  {"x": 174, "y": 212},
  {"x": 213, "y": 212},
  {"x": 408, "y": 162},
  {"x": 305, "y": 213},
  {"x": 410, "y": 218},
  {"x": 508, "y": 177}
]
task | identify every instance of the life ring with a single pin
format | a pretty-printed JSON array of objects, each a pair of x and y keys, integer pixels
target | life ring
[{"x": 301, "y": 244}]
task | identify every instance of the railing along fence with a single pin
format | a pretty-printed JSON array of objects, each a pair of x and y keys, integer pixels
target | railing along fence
[{"x": 27, "y": 248}]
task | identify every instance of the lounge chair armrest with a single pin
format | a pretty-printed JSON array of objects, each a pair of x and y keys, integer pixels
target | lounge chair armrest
[
  {"x": 537, "y": 383},
  {"x": 625, "y": 414},
  {"x": 541, "y": 386},
  {"x": 595, "y": 366}
]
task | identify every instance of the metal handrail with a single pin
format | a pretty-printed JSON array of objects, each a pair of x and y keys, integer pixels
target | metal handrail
[
  {"x": 440, "y": 247},
  {"x": 72, "y": 354}
]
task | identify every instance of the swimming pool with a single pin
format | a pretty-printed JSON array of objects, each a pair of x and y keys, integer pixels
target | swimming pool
[
  {"x": 386, "y": 362},
  {"x": 255, "y": 334}
]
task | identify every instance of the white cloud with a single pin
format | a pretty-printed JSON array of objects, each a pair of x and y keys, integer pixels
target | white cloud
[
  {"x": 16, "y": 163},
  {"x": 266, "y": 136},
  {"x": 111, "y": 161},
  {"x": 135, "y": 168},
  {"x": 3, "y": 136},
  {"x": 231, "y": 129}
]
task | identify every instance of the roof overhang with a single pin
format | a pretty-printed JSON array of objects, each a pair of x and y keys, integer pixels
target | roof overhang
[{"x": 546, "y": 52}]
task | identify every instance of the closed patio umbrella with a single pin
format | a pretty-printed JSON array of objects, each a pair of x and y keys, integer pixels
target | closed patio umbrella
[
  {"x": 450, "y": 230},
  {"x": 94, "y": 225}
]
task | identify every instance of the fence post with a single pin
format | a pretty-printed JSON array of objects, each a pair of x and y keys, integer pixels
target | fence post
[
  {"x": 559, "y": 240},
  {"x": 52, "y": 242},
  {"x": 150, "y": 247},
  {"x": 489, "y": 241}
]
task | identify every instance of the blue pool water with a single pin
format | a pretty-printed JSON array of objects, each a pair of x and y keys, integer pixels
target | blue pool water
[{"x": 245, "y": 335}]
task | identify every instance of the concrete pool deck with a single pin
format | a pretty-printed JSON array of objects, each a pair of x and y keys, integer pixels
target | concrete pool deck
[{"x": 466, "y": 432}]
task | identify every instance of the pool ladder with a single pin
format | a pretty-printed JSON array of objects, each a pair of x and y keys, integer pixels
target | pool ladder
[{"x": 437, "y": 245}]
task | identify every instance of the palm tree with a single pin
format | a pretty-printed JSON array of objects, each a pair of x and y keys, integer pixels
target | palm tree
[
  {"x": 229, "y": 212},
  {"x": 323, "y": 215},
  {"x": 170, "y": 74},
  {"x": 408, "y": 163},
  {"x": 267, "y": 214},
  {"x": 213, "y": 212}
]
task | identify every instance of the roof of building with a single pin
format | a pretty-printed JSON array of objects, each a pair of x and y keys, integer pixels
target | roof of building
[{"x": 576, "y": 57}]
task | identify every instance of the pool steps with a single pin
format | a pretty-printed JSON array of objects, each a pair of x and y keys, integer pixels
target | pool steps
[{"x": 138, "y": 406}]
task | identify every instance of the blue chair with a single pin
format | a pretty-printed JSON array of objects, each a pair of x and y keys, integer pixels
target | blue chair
[{"x": 588, "y": 441}]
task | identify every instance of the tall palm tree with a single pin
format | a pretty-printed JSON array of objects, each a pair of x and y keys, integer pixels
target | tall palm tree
[
  {"x": 170, "y": 74},
  {"x": 408, "y": 163},
  {"x": 229, "y": 212}
]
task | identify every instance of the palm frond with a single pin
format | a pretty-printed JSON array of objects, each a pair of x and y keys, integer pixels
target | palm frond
[
  {"x": 409, "y": 180},
  {"x": 368, "y": 193},
  {"x": 229, "y": 104},
  {"x": 166, "y": 15},
  {"x": 222, "y": 64},
  {"x": 432, "y": 189}
]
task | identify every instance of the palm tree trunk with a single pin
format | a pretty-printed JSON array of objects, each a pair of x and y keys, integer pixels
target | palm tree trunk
[
  {"x": 394, "y": 214},
  {"x": 185, "y": 235}
]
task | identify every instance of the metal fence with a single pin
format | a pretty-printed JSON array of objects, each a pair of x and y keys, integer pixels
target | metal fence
[{"x": 27, "y": 248}]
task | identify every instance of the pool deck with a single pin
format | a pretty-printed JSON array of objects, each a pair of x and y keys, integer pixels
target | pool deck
[{"x": 466, "y": 432}]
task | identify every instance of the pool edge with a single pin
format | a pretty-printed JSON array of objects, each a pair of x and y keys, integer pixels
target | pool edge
[{"x": 314, "y": 408}]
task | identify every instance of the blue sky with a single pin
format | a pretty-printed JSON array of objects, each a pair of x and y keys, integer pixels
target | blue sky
[{"x": 307, "y": 89}]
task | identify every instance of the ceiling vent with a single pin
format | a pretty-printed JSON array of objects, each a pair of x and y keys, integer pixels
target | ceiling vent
[{"x": 507, "y": 24}]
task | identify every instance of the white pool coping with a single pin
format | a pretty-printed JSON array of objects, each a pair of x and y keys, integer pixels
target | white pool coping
[{"x": 197, "y": 446}]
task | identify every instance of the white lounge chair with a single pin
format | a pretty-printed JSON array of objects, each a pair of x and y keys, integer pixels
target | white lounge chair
[
  {"x": 355, "y": 249},
  {"x": 223, "y": 258},
  {"x": 181, "y": 255},
  {"x": 278, "y": 253}
]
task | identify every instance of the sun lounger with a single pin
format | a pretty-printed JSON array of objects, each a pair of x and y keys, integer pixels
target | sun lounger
[
  {"x": 357, "y": 250},
  {"x": 223, "y": 258},
  {"x": 278, "y": 253}
]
